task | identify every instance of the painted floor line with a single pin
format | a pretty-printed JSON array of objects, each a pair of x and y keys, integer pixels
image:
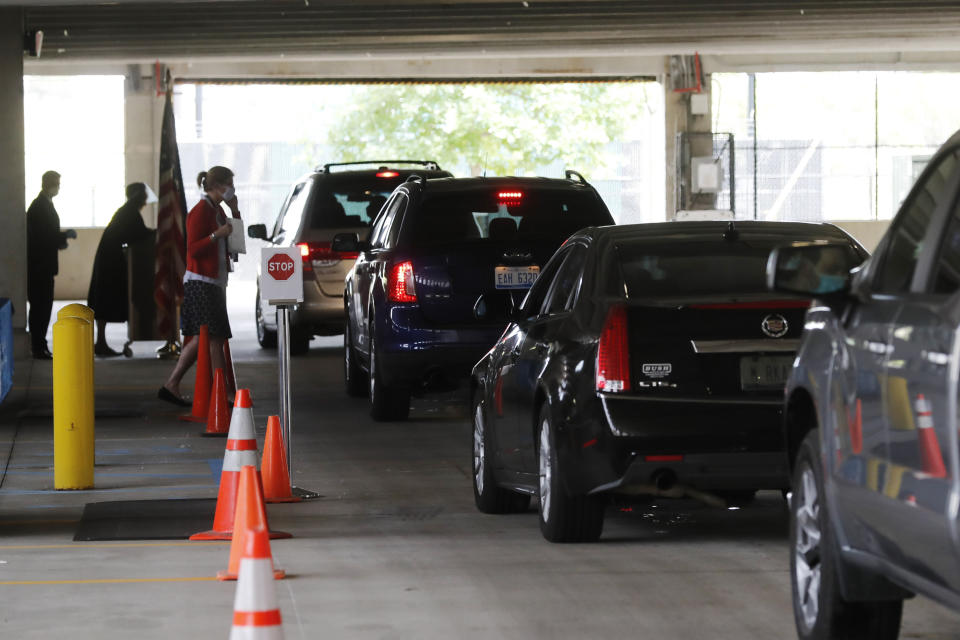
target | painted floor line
[
  {"x": 11, "y": 583},
  {"x": 114, "y": 545}
]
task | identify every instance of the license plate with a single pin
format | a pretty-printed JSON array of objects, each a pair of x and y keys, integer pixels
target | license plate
[
  {"x": 515, "y": 277},
  {"x": 764, "y": 372}
]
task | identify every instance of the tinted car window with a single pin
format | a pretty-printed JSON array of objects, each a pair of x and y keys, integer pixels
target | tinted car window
[
  {"x": 698, "y": 268},
  {"x": 342, "y": 202},
  {"x": 384, "y": 223},
  {"x": 908, "y": 230},
  {"x": 538, "y": 292},
  {"x": 567, "y": 279},
  {"x": 499, "y": 215},
  {"x": 289, "y": 220},
  {"x": 947, "y": 279}
]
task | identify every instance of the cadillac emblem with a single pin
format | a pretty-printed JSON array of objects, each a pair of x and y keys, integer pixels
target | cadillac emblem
[{"x": 774, "y": 325}]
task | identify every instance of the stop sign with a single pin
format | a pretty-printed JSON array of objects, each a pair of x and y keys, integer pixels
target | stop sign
[{"x": 280, "y": 266}]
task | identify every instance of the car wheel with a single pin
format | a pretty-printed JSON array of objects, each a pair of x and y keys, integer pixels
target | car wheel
[
  {"x": 819, "y": 610},
  {"x": 265, "y": 337},
  {"x": 488, "y": 497},
  {"x": 386, "y": 403},
  {"x": 353, "y": 376},
  {"x": 563, "y": 518},
  {"x": 299, "y": 340}
]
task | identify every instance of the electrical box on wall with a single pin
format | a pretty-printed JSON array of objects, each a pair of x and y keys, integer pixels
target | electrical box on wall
[
  {"x": 699, "y": 104},
  {"x": 707, "y": 175}
]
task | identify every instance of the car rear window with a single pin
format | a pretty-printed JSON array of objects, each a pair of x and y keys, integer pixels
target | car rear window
[
  {"x": 503, "y": 215},
  {"x": 691, "y": 268},
  {"x": 344, "y": 202}
]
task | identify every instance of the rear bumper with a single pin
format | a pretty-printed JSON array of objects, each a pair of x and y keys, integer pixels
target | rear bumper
[
  {"x": 621, "y": 443},
  {"x": 318, "y": 308},
  {"x": 707, "y": 471},
  {"x": 412, "y": 353}
]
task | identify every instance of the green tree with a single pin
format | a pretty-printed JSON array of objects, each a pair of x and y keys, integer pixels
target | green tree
[{"x": 503, "y": 129}]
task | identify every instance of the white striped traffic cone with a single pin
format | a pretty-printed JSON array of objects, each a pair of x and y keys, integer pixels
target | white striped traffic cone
[
  {"x": 241, "y": 450},
  {"x": 930, "y": 456},
  {"x": 256, "y": 614}
]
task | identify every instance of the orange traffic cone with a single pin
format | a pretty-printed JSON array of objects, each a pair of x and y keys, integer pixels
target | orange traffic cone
[
  {"x": 256, "y": 614},
  {"x": 251, "y": 515},
  {"x": 273, "y": 466},
  {"x": 229, "y": 370},
  {"x": 930, "y": 456},
  {"x": 241, "y": 451},
  {"x": 218, "y": 417},
  {"x": 201, "y": 386}
]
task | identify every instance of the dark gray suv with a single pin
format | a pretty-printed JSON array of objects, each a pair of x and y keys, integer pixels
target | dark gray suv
[{"x": 871, "y": 418}]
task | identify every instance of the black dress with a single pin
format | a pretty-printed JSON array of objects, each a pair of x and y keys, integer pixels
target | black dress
[{"x": 108, "y": 285}]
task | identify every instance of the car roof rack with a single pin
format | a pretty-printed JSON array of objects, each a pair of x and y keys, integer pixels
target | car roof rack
[
  {"x": 427, "y": 164},
  {"x": 571, "y": 174}
]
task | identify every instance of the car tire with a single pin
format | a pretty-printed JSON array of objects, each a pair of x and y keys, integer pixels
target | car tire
[
  {"x": 488, "y": 497},
  {"x": 353, "y": 375},
  {"x": 563, "y": 518},
  {"x": 819, "y": 610},
  {"x": 387, "y": 404},
  {"x": 299, "y": 340},
  {"x": 265, "y": 337}
]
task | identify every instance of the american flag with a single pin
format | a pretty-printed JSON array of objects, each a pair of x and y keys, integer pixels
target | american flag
[{"x": 171, "y": 245}]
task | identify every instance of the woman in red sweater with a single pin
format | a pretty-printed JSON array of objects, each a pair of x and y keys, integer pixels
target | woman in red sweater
[{"x": 205, "y": 280}]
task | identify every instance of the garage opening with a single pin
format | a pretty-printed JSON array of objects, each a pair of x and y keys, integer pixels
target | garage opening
[{"x": 831, "y": 145}]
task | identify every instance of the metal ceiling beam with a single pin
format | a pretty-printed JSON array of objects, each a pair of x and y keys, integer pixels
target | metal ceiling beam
[{"x": 176, "y": 31}]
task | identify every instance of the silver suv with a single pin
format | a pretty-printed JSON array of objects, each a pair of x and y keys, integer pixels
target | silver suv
[
  {"x": 871, "y": 418},
  {"x": 336, "y": 198}
]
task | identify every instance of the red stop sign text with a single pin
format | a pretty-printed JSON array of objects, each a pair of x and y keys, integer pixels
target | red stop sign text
[{"x": 280, "y": 266}]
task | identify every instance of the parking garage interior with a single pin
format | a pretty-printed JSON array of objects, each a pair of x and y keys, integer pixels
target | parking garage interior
[{"x": 813, "y": 111}]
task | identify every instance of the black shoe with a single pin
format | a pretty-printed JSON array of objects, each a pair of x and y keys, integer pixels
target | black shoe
[
  {"x": 168, "y": 396},
  {"x": 42, "y": 354}
]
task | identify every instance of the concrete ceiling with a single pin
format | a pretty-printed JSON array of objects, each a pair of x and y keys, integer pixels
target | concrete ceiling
[{"x": 320, "y": 38}]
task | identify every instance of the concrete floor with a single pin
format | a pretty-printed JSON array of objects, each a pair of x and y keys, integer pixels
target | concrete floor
[{"x": 394, "y": 549}]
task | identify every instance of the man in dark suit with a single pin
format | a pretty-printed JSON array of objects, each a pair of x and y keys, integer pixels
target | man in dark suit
[{"x": 44, "y": 240}]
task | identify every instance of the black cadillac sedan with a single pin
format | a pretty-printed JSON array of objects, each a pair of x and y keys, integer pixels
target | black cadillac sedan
[{"x": 645, "y": 360}]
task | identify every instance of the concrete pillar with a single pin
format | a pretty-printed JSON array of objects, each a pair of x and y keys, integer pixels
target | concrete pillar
[
  {"x": 143, "y": 115},
  {"x": 678, "y": 118},
  {"x": 13, "y": 240}
]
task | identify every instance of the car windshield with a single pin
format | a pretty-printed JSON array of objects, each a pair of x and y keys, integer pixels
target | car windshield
[
  {"x": 503, "y": 215},
  {"x": 706, "y": 267},
  {"x": 353, "y": 202}
]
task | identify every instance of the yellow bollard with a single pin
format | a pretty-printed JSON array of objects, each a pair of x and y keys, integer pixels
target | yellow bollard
[
  {"x": 73, "y": 442},
  {"x": 76, "y": 310}
]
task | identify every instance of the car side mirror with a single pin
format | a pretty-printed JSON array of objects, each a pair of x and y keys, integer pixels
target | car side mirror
[
  {"x": 810, "y": 269},
  {"x": 258, "y": 231},
  {"x": 348, "y": 243}
]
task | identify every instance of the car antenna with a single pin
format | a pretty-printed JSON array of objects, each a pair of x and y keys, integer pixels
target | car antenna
[{"x": 731, "y": 234}]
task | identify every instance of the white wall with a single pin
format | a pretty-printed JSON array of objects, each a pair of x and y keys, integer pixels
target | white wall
[{"x": 76, "y": 265}]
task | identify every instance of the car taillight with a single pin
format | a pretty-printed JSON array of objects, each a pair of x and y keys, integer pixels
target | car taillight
[
  {"x": 321, "y": 255},
  {"x": 387, "y": 174},
  {"x": 613, "y": 353},
  {"x": 400, "y": 286},
  {"x": 509, "y": 197}
]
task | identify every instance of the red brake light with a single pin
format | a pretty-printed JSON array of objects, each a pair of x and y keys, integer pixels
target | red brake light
[
  {"x": 387, "y": 174},
  {"x": 400, "y": 286},
  {"x": 509, "y": 197},
  {"x": 613, "y": 353},
  {"x": 321, "y": 254}
]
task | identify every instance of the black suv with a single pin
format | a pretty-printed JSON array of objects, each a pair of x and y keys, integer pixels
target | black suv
[
  {"x": 334, "y": 198},
  {"x": 443, "y": 265}
]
